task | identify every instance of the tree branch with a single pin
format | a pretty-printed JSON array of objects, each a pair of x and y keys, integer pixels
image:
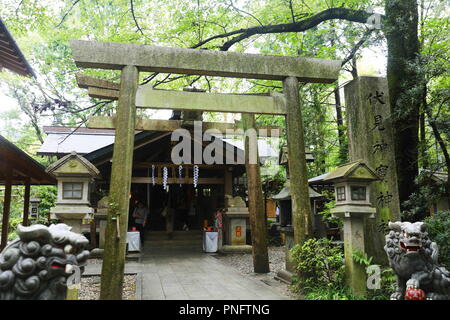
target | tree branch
[
  {"x": 352, "y": 15},
  {"x": 357, "y": 46},
  {"x": 65, "y": 15},
  {"x": 101, "y": 104},
  {"x": 359, "y": 16},
  {"x": 134, "y": 18},
  {"x": 245, "y": 12}
]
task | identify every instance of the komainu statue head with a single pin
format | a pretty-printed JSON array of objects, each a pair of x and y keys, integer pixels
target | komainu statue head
[{"x": 36, "y": 265}]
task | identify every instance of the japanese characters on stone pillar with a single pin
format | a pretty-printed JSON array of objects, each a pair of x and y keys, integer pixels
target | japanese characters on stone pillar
[{"x": 370, "y": 135}]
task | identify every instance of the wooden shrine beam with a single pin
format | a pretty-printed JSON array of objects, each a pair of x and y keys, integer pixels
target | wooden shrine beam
[
  {"x": 184, "y": 180},
  {"x": 99, "y": 122},
  {"x": 146, "y": 97},
  {"x": 108, "y": 55},
  {"x": 147, "y": 165}
]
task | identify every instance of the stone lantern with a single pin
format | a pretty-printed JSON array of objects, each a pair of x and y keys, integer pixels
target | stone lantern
[
  {"x": 352, "y": 186},
  {"x": 74, "y": 175}
]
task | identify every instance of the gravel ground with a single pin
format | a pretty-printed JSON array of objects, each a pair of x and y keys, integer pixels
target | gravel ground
[
  {"x": 243, "y": 262},
  {"x": 90, "y": 288}
]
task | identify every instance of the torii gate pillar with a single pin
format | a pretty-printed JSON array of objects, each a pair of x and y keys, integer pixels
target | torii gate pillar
[{"x": 301, "y": 208}]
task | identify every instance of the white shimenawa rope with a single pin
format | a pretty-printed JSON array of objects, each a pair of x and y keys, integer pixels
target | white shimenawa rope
[
  {"x": 180, "y": 172},
  {"x": 195, "y": 176},
  {"x": 153, "y": 174},
  {"x": 165, "y": 178}
]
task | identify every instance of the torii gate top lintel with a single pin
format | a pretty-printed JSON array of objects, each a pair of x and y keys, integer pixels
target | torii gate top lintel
[{"x": 109, "y": 55}]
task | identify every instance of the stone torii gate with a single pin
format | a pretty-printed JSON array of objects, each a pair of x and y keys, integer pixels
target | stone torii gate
[{"x": 132, "y": 59}]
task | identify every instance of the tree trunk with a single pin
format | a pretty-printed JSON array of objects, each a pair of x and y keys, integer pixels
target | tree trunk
[
  {"x": 440, "y": 141},
  {"x": 400, "y": 29},
  {"x": 343, "y": 150}
]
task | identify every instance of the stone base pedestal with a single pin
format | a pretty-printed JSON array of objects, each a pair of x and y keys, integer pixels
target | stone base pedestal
[
  {"x": 284, "y": 276},
  {"x": 288, "y": 233},
  {"x": 235, "y": 226},
  {"x": 100, "y": 216},
  {"x": 355, "y": 273},
  {"x": 73, "y": 215},
  {"x": 96, "y": 253},
  {"x": 75, "y": 224}
]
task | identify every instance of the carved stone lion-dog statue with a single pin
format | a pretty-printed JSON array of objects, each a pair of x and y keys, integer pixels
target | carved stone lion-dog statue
[
  {"x": 37, "y": 264},
  {"x": 414, "y": 259}
]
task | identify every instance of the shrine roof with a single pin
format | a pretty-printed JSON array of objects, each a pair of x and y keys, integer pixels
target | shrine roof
[
  {"x": 11, "y": 57},
  {"x": 285, "y": 193},
  {"x": 22, "y": 165}
]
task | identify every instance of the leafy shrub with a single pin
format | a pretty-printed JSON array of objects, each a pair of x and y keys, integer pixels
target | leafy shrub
[
  {"x": 319, "y": 265},
  {"x": 330, "y": 294},
  {"x": 361, "y": 258},
  {"x": 438, "y": 228},
  {"x": 320, "y": 273},
  {"x": 47, "y": 194},
  {"x": 388, "y": 278},
  {"x": 13, "y": 223}
]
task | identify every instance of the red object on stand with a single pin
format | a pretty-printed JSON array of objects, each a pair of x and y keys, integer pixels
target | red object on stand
[{"x": 415, "y": 294}]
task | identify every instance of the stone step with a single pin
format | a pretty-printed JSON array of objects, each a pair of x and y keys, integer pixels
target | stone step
[
  {"x": 172, "y": 241},
  {"x": 195, "y": 239},
  {"x": 177, "y": 235}
]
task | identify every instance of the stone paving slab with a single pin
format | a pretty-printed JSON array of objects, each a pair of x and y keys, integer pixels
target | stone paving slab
[
  {"x": 190, "y": 275},
  {"x": 195, "y": 275}
]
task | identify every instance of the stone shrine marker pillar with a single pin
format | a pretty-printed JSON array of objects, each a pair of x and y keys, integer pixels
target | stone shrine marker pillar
[{"x": 370, "y": 139}]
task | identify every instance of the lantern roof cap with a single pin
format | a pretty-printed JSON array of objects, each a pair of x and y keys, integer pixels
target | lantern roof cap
[
  {"x": 355, "y": 170},
  {"x": 73, "y": 165}
]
